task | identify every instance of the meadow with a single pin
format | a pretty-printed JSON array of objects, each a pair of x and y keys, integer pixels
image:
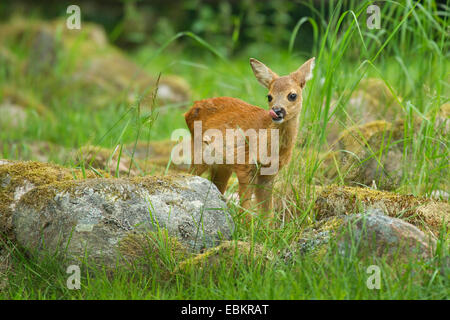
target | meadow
[{"x": 408, "y": 54}]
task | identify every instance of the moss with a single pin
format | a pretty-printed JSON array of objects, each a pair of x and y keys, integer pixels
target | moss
[
  {"x": 444, "y": 110},
  {"x": 145, "y": 150},
  {"x": 29, "y": 174},
  {"x": 371, "y": 153},
  {"x": 225, "y": 255},
  {"x": 148, "y": 158},
  {"x": 353, "y": 138},
  {"x": 40, "y": 196},
  {"x": 426, "y": 214},
  {"x": 371, "y": 101},
  {"x": 378, "y": 89}
]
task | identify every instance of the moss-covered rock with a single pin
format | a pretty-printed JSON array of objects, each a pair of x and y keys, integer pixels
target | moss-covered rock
[
  {"x": 100, "y": 73},
  {"x": 371, "y": 153},
  {"x": 371, "y": 101},
  {"x": 91, "y": 217},
  {"x": 144, "y": 158},
  {"x": 18, "y": 177},
  {"x": 368, "y": 235},
  {"x": 12, "y": 116},
  {"x": 382, "y": 236},
  {"x": 226, "y": 255},
  {"x": 442, "y": 123},
  {"x": 427, "y": 214},
  {"x": 24, "y": 98}
]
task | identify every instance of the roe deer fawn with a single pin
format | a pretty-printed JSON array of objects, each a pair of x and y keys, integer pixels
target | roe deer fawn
[{"x": 224, "y": 113}]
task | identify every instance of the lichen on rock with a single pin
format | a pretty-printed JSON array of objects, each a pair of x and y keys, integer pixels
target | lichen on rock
[
  {"x": 96, "y": 215},
  {"x": 368, "y": 235},
  {"x": 382, "y": 236}
]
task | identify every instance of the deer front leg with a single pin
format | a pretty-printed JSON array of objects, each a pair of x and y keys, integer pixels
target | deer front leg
[
  {"x": 263, "y": 192},
  {"x": 246, "y": 190}
]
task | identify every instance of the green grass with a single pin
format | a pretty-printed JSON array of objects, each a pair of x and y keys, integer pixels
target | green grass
[
  {"x": 332, "y": 276},
  {"x": 410, "y": 53}
]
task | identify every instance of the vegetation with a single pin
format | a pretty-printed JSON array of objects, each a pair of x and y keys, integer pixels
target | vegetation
[{"x": 409, "y": 53}]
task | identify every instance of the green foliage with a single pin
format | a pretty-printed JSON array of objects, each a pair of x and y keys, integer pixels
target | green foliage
[{"x": 209, "y": 45}]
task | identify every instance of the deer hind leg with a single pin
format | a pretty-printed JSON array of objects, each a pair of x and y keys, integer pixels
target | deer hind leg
[
  {"x": 220, "y": 176},
  {"x": 263, "y": 193},
  {"x": 198, "y": 169}
]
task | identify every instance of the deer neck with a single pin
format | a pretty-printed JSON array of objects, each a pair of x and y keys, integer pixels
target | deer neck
[{"x": 287, "y": 135}]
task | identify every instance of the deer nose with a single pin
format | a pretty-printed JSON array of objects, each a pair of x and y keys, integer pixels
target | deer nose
[{"x": 280, "y": 112}]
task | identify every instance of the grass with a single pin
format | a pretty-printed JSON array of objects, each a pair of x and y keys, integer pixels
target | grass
[
  {"x": 409, "y": 53},
  {"x": 304, "y": 277}
]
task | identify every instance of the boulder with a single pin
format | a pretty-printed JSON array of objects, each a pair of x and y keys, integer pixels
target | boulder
[
  {"x": 99, "y": 70},
  {"x": 371, "y": 101},
  {"x": 24, "y": 98},
  {"x": 18, "y": 177},
  {"x": 12, "y": 116},
  {"x": 383, "y": 236},
  {"x": 369, "y": 235},
  {"x": 143, "y": 158},
  {"x": 371, "y": 154},
  {"x": 92, "y": 217},
  {"x": 427, "y": 214}
]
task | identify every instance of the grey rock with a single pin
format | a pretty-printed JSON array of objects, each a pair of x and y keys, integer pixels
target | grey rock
[
  {"x": 13, "y": 116},
  {"x": 91, "y": 217},
  {"x": 313, "y": 243},
  {"x": 380, "y": 235},
  {"x": 369, "y": 234}
]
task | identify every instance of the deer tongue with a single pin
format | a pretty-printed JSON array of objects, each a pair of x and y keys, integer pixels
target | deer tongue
[{"x": 273, "y": 114}]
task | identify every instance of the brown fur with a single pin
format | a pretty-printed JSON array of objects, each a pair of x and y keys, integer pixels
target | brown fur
[{"x": 230, "y": 113}]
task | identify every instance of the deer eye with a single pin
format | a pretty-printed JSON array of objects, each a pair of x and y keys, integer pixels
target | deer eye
[
  {"x": 292, "y": 96},
  {"x": 269, "y": 97}
]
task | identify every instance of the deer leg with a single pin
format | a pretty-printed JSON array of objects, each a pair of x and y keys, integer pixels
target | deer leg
[
  {"x": 220, "y": 177},
  {"x": 263, "y": 192},
  {"x": 198, "y": 169},
  {"x": 246, "y": 191}
]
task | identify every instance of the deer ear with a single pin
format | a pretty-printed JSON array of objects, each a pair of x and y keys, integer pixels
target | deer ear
[
  {"x": 264, "y": 75},
  {"x": 304, "y": 73}
]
